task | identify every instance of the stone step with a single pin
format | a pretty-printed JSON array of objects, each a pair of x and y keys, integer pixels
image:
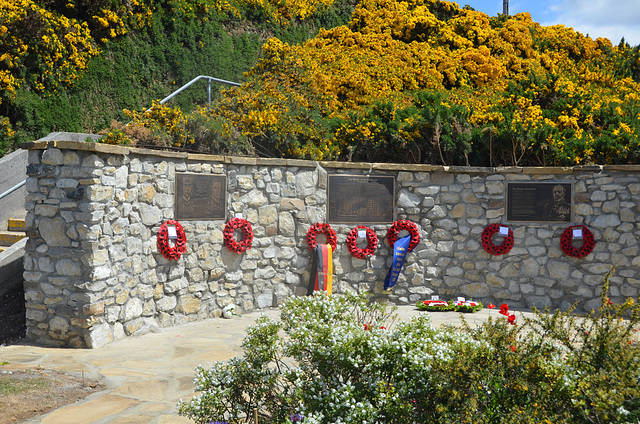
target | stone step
[
  {"x": 7, "y": 238},
  {"x": 15, "y": 224}
]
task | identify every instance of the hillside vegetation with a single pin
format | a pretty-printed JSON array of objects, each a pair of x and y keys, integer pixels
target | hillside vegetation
[
  {"x": 75, "y": 65},
  {"x": 419, "y": 81}
]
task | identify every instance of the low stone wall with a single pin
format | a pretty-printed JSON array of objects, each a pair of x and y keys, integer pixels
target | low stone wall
[
  {"x": 93, "y": 273},
  {"x": 13, "y": 166}
]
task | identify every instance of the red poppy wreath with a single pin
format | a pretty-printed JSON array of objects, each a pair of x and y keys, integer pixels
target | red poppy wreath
[
  {"x": 487, "y": 240},
  {"x": 372, "y": 242},
  {"x": 247, "y": 235},
  {"x": 403, "y": 224},
  {"x": 566, "y": 244},
  {"x": 180, "y": 245},
  {"x": 325, "y": 229}
]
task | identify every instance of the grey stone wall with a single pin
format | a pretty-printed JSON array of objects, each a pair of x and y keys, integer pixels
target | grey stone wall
[{"x": 93, "y": 273}]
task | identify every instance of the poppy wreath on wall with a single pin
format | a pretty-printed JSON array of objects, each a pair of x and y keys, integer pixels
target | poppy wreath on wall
[
  {"x": 566, "y": 244},
  {"x": 403, "y": 224},
  {"x": 372, "y": 242},
  {"x": 180, "y": 245},
  {"x": 247, "y": 235},
  {"x": 487, "y": 240},
  {"x": 325, "y": 229}
]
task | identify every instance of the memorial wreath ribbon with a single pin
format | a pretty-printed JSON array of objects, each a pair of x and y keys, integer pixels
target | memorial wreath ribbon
[
  {"x": 321, "y": 278},
  {"x": 400, "y": 249}
]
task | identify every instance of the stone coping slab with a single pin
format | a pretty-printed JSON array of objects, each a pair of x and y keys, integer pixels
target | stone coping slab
[{"x": 72, "y": 141}]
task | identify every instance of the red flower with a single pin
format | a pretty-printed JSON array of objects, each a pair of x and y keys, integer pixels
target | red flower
[
  {"x": 383, "y": 327},
  {"x": 491, "y": 306},
  {"x": 513, "y": 348},
  {"x": 367, "y": 327},
  {"x": 512, "y": 319},
  {"x": 609, "y": 302},
  {"x": 504, "y": 309}
]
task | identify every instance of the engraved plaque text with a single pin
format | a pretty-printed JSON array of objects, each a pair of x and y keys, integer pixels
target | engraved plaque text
[
  {"x": 539, "y": 202},
  {"x": 361, "y": 199}
]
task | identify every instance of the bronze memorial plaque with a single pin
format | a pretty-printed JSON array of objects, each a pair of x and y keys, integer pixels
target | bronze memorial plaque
[
  {"x": 200, "y": 196},
  {"x": 361, "y": 199},
  {"x": 540, "y": 202}
]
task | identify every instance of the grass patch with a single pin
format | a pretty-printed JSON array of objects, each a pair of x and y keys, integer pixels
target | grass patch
[{"x": 11, "y": 386}]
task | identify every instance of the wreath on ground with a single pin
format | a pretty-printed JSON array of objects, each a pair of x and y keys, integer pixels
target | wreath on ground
[
  {"x": 487, "y": 240},
  {"x": 352, "y": 240},
  {"x": 566, "y": 244},
  {"x": 247, "y": 235},
  {"x": 434, "y": 305},
  {"x": 325, "y": 229},
  {"x": 180, "y": 245},
  {"x": 451, "y": 305},
  {"x": 396, "y": 227},
  {"x": 467, "y": 306}
]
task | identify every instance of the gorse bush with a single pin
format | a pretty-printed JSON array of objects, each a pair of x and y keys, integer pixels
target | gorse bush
[
  {"x": 76, "y": 65},
  {"x": 505, "y": 89},
  {"x": 165, "y": 126},
  {"x": 341, "y": 359},
  {"x": 372, "y": 80}
]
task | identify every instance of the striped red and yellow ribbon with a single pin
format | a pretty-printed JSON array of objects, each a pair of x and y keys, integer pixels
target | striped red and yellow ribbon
[{"x": 321, "y": 278}]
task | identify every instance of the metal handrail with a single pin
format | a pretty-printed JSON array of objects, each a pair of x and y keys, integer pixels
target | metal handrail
[
  {"x": 12, "y": 189},
  {"x": 199, "y": 77}
]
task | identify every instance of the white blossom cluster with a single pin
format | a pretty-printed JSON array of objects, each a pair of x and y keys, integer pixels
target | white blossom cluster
[
  {"x": 339, "y": 359},
  {"x": 352, "y": 371}
]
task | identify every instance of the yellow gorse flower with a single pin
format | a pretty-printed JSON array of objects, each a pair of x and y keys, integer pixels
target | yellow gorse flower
[{"x": 391, "y": 49}]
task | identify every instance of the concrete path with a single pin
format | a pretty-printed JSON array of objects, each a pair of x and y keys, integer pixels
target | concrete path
[{"x": 145, "y": 376}]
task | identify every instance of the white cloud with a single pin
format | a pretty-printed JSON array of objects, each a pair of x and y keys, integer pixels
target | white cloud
[{"x": 601, "y": 18}]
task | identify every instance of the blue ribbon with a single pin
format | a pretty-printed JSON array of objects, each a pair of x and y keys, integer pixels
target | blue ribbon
[{"x": 400, "y": 249}]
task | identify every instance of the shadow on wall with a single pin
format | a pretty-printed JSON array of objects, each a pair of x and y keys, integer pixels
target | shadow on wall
[
  {"x": 12, "y": 301},
  {"x": 13, "y": 190}
]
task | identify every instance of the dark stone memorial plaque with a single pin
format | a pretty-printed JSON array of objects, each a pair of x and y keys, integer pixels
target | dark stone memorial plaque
[
  {"x": 201, "y": 197},
  {"x": 539, "y": 202},
  {"x": 361, "y": 199}
]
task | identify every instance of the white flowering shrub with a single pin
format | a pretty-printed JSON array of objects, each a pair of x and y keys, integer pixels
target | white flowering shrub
[
  {"x": 337, "y": 359},
  {"x": 341, "y": 359},
  {"x": 355, "y": 365},
  {"x": 231, "y": 390}
]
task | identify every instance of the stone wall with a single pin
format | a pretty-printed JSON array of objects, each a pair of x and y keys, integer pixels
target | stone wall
[{"x": 93, "y": 273}]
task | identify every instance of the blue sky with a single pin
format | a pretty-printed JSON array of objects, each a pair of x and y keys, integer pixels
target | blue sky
[{"x": 595, "y": 18}]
